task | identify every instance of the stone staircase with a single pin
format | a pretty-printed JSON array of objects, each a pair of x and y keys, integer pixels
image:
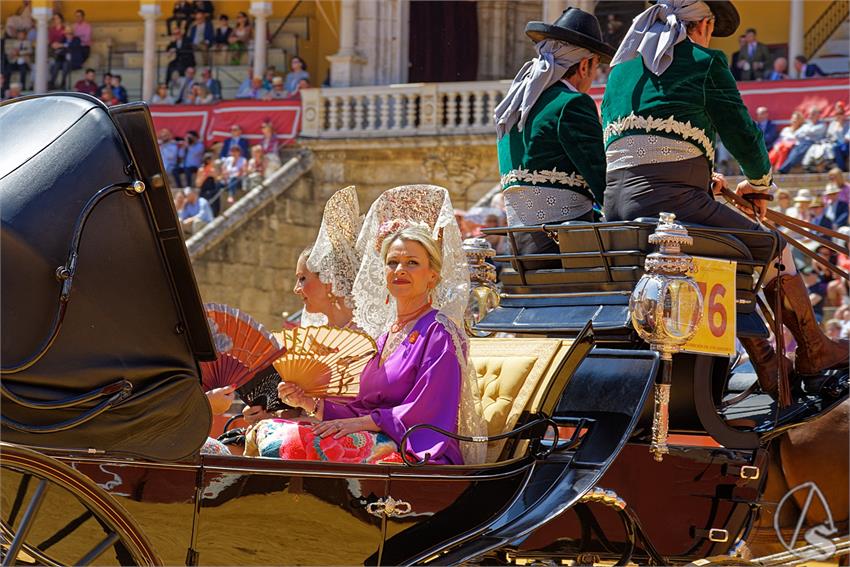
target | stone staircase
[
  {"x": 118, "y": 47},
  {"x": 834, "y": 55}
]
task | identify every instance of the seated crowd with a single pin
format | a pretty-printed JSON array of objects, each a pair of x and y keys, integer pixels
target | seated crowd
[
  {"x": 754, "y": 62},
  {"x": 206, "y": 176}
]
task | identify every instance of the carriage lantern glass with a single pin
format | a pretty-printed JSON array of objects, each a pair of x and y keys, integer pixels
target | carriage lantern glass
[
  {"x": 665, "y": 309},
  {"x": 483, "y": 292}
]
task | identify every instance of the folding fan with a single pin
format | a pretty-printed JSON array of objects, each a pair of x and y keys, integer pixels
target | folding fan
[
  {"x": 325, "y": 361},
  {"x": 244, "y": 346}
]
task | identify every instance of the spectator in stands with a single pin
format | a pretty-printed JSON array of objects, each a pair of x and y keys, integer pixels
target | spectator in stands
[
  {"x": 20, "y": 20},
  {"x": 180, "y": 14},
  {"x": 277, "y": 92},
  {"x": 183, "y": 52},
  {"x": 736, "y": 57},
  {"x": 161, "y": 95},
  {"x": 82, "y": 29},
  {"x": 814, "y": 130},
  {"x": 822, "y": 153},
  {"x": 837, "y": 133},
  {"x": 780, "y": 70},
  {"x": 240, "y": 36},
  {"x": 196, "y": 213},
  {"x": 106, "y": 96},
  {"x": 614, "y": 31},
  {"x": 836, "y": 211},
  {"x": 767, "y": 127},
  {"x": 782, "y": 202},
  {"x": 14, "y": 91},
  {"x": 205, "y": 7},
  {"x": 836, "y": 180},
  {"x": 191, "y": 159},
  {"x": 841, "y": 152},
  {"x": 87, "y": 84},
  {"x": 212, "y": 85},
  {"x": 205, "y": 180},
  {"x": 167, "y": 150},
  {"x": 222, "y": 33},
  {"x": 186, "y": 84},
  {"x": 179, "y": 201},
  {"x": 235, "y": 139},
  {"x": 254, "y": 90},
  {"x": 806, "y": 70},
  {"x": 255, "y": 172},
  {"x": 201, "y": 34},
  {"x": 107, "y": 81},
  {"x": 269, "y": 143},
  {"x": 297, "y": 74},
  {"x": 67, "y": 56},
  {"x": 200, "y": 94},
  {"x": 118, "y": 89},
  {"x": 753, "y": 57},
  {"x": 19, "y": 52},
  {"x": 233, "y": 169},
  {"x": 800, "y": 210},
  {"x": 56, "y": 30},
  {"x": 787, "y": 139}
]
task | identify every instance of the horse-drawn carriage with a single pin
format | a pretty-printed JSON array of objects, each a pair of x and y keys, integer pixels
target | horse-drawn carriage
[{"x": 103, "y": 413}]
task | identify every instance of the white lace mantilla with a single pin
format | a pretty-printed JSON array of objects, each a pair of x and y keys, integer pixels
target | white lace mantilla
[
  {"x": 334, "y": 257},
  {"x": 426, "y": 204},
  {"x": 669, "y": 125},
  {"x": 543, "y": 176}
]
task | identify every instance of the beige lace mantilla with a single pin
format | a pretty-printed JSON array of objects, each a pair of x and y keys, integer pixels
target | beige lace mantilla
[{"x": 670, "y": 125}]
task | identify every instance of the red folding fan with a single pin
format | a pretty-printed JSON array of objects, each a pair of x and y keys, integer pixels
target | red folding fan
[{"x": 243, "y": 344}]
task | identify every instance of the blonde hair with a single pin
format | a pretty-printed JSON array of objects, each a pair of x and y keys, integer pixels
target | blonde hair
[{"x": 422, "y": 236}]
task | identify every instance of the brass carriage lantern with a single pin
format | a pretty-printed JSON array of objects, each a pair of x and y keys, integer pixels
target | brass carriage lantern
[
  {"x": 665, "y": 309},
  {"x": 483, "y": 292}
]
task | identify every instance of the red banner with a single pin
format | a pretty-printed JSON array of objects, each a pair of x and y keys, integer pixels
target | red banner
[
  {"x": 783, "y": 97},
  {"x": 213, "y": 121}
]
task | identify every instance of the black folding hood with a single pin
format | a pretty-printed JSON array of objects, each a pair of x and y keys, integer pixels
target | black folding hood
[{"x": 102, "y": 322}]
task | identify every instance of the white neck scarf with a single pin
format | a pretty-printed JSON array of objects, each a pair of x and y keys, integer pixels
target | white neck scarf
[
  {"x": 657, "y": 30},
  {"x": 553, "y": 59}
]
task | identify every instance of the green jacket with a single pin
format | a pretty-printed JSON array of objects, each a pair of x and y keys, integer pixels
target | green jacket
[
  {"x": 560, "y": 145},
  {"x": 694, "y": 100}
]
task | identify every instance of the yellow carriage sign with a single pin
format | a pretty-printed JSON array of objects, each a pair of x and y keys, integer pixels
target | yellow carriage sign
[{"x": 716, "y": 331}]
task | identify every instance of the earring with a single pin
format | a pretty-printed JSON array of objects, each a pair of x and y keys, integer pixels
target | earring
[{"x": 387, "y": 302}]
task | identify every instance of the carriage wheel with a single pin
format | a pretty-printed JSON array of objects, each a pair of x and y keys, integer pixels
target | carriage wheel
[{"x": 51, "y": 514}]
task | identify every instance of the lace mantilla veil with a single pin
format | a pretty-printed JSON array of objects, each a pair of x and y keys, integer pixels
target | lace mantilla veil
[
  {"x": 429, "y": 205},
  {"x": 334, "y": 257}
]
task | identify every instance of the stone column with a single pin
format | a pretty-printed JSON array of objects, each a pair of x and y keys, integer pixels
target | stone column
[
  {"x": 345, "y": 61},
  {"x": 552, "y": 10},
  {"x": 795, "y": 32},
  {"x": 149, "y": 11},
  {"x": 261, "y": 11},
  {"x": 41, "y": 12}
]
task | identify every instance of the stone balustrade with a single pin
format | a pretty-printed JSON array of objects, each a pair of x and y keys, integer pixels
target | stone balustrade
[{"x": 416, "y": 109}]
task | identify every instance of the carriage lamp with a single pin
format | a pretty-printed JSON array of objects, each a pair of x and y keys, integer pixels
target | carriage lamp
[
  {"x": 665, "y": 309},
  {"x": 483, "y": 292}
]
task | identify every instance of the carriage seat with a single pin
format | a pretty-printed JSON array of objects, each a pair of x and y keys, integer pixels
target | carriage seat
[{"x": 512, "y": 376}]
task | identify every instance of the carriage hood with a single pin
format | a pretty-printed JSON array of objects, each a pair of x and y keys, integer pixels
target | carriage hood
[{"x": 102, "y": 322}]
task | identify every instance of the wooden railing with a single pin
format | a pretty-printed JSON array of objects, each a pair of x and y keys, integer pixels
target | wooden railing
[
  {"x": 416, "y": 109},
  {"x": 825, "y": 25}
]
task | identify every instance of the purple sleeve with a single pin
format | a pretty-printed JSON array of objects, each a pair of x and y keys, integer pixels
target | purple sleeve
[
  {"x": 335, "y": 410},
  {"x": 433, "y": 399}
]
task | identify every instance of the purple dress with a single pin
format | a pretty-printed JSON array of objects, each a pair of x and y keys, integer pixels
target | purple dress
[{"x": 418, "y": 383}]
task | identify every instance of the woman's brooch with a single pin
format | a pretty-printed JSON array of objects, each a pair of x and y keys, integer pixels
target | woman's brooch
[{"x": 413, "y": 336}]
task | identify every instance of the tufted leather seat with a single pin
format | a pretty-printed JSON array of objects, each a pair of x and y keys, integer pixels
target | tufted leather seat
[{"x": 512, "y": 375}]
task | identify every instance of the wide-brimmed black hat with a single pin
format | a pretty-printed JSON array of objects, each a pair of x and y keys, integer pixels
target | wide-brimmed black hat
[
  {"x": 576, "y": 27},
  {"x": 726, "y": 17}
]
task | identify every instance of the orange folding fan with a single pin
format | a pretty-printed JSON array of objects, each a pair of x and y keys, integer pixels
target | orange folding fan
[
  {"x": 324, "y": 361},
  {"x": 243, "y": 344}
]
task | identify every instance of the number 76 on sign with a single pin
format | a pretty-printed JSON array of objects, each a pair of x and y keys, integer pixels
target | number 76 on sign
[{"x": 716, "y": 331}]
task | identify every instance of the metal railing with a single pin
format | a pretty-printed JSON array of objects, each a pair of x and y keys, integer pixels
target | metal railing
[{"x": 823, "y": 28}]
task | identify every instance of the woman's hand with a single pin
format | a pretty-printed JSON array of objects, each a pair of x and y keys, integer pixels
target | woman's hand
[
  {"x": 221, "y": 399},
  {"x": 340, "y": 427},
  {"x": 293, "y": 395},
  {"x": 254, "y": 414}
]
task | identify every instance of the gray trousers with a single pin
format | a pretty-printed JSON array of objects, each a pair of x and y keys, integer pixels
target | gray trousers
[{"x": 683, "y": 188}]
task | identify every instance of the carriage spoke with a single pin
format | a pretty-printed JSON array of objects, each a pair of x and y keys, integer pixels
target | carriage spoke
[
  {"x": 98, "y": 550},
  {"x": 26, "y": 523},
  {"x": 66, "y": 531},
  {"x": 19, "y": 498}
]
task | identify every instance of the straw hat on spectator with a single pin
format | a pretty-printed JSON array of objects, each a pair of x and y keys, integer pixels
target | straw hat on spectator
[
  {"x": 277, "y": 81},
  {"x": 832, "y": 189},
  {"x": 803, "y": 196}
]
